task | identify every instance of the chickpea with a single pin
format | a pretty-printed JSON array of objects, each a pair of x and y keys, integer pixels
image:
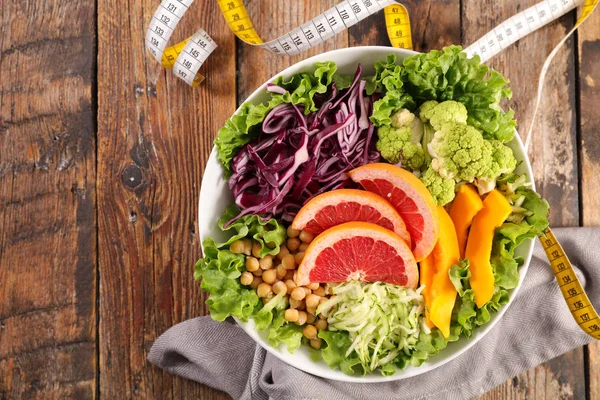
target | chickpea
[
  {"x": 247, "y": 246},
  {"x": 289, "y": 275},
  {"x": 313, "y": 285},
  {"x": 268, "y": 298},
  {"x": 246, "y": 278},
  {"x": 297, "y": 304},
  {"x": 258, "y": 272},
  {"x": 237, "y": 247},
  {"x": 303, "y": 247},
  {"x": 291, "y": 285},
  {"x": 312, "y": 300},
  {"x": 322, "y": 316},
  {"x": 283, "y": 251},
  {"x": 311, "y": 310},
  {"x": 281, "y": 271},
  {"x": 306, "y": 237},
  {"x": 263, "y": 290},
  {"x": 257, "y": 281},
  {"x": 256, "y": 249},
  {"x": 301, "y": 318},
  {"x": 298, "y": 293},
  {"x": 316, "y": 343},
  {"x": 298, "y": 257},
  {"x": 293, "y": 244},
  {"x": 310, "y": 316},
  {"x": 321, "y": 324},
  {"x": 279, "y": 287},
  {"x": 291, "y": 315},
  {"x": 292, "y": 233},
  {"x": 269, "y": 276},
  {"x": 320, "y": 291},
  {"x": 266, "y": 262},
  {"x": 310, "y": 332},
  {"x": 288, "y": 261},
  {"x": 307, "y": 291},
  {"x": 295, "y": 276},
  {"x": 252, "y": 264}
]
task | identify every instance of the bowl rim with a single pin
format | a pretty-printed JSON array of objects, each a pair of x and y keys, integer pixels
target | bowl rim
[{"x": 410, "y": 371}]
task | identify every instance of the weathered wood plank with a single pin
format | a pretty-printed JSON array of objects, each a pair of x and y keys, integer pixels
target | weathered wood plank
[
  {"x": 47, "y": 200},
  {"x": 589, "y": 98},
  {"x": 154, "y": 141},
  {"x": 553, "y": 154},
  {"x": 272, "y": 19}
]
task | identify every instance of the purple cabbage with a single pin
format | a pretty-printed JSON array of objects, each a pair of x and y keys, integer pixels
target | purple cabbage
[{"x": 297, "y": 156}]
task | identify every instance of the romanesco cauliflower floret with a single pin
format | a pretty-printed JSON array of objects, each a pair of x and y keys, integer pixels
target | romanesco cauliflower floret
[
  {"x": 395, "y": 145},
  {"x": 459, "y": 152},
  {"x": 503, "y": 161},
  {"x": 402, "y": 117},
  {"x": 441, "y": 189}
]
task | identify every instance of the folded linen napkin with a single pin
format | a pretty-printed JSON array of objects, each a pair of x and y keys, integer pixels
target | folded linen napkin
[{"x": 537, "y": 327}]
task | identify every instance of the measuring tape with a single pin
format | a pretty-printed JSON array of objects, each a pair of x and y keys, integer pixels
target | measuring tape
[
  {"x": 187, "y": 57},
  {"x": 579, "y": 304}
]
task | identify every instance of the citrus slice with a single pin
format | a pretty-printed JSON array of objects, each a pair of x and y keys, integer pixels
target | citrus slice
[
  {"x": 346, "y": 205},
  {"x": 410, "y": 198},
  {"x": 358, "y": 251}
]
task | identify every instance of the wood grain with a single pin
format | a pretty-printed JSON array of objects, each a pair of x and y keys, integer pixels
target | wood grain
[
  {"x": 154, "y": 140},
  {"x": 47, "y": 200},
  {"x": 589, "y": 98}
]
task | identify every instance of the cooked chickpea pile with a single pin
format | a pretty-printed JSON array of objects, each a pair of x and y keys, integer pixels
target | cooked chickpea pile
[{"x": 271, "y": 276}]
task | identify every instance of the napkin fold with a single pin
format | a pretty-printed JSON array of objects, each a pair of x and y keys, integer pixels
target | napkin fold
[{"x": 537, "y": 327}]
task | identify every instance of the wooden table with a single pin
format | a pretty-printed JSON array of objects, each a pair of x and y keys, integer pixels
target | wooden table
[{"x": 100, "y": 170}]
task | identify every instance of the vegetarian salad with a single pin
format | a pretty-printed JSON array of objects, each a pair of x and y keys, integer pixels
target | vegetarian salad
[{"x": 376, "y": 217}]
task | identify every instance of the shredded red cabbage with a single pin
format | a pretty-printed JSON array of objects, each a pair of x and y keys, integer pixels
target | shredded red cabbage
[{"x": 297, "y": 156}]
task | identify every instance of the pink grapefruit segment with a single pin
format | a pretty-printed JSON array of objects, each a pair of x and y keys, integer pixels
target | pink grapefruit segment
[
  {"x": 358, "y": 251},
  {"x": 410, "y": 198},
  {"x": 346, "y": 205}
]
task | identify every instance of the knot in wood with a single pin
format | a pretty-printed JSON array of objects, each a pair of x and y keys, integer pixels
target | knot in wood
[{"x": 132, "y": 176}]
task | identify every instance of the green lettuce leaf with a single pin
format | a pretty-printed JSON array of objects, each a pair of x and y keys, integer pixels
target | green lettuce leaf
[
  {"x": 220, "y": 269},
  {"x": 460, "y": 275},
  {"x": 538, "y": 207},
  {"x": 269, "y": 233},
  {"x": 334, "y": 353},
  {"x": 285, "y": 332},
  {"x": 446, "y": 75}
]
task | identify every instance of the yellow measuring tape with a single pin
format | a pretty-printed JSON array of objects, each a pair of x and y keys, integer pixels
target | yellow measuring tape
[
  {"x": 579, "y": 304},
  {"x": 186, "y": 57}
]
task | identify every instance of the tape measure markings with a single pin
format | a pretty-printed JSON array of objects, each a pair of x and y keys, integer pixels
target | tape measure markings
[
  {"x": 331, "y": 22},
  {"x": 577, "y": 300}
]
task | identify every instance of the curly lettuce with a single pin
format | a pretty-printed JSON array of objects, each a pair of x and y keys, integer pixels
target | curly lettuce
[
  {"x": 220, "y": 270},
  {"x": 446, "y": 75}
]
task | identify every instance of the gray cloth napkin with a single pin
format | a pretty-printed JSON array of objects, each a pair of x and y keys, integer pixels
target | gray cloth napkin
[{"x": 536, "y": 327}]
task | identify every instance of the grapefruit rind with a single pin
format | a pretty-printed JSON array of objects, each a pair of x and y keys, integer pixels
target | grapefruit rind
[
  {"x": 335, "y": 197},
  {"x": 415, "y": 190},
  {"x": 351, "y": 230}
]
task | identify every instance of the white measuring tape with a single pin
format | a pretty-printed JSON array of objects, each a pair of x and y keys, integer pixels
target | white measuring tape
[{"x": 199, "y": 47}]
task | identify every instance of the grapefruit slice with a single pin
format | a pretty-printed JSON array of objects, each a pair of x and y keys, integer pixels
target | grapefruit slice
[
  {"x": 346, "y": 205},
  {"x": 410, "y": 198},
  {"x": 358, "y": 251}
]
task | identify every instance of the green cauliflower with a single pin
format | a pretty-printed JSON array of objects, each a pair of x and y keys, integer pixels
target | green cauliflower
[
  {"x": 461, "y": 153},
  {"x": 434, "y": 115},
  {"x": 441, "y": 189},
  {"x": 400, "y": 141},
  {"x": 503, "y": 162}
]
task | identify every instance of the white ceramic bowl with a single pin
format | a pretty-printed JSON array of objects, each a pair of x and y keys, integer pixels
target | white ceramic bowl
[{"x": 215, "y": 197}]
